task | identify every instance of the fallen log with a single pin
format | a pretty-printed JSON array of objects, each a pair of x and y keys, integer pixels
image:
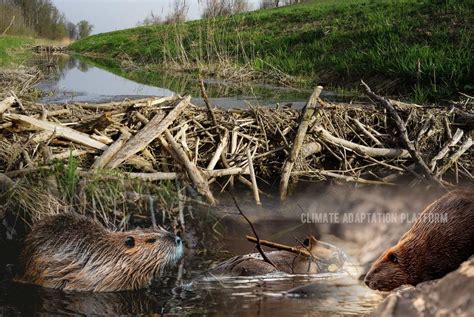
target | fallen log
[
  {"x": 198, "y": 180},
  {"x": 59, "y": 130},
  {"x": 148, "y": 134},
  {"x": 306, "y": 117}
]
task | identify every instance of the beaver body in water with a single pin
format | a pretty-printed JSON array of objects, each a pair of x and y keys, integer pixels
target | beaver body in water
[
  {"x": 73, "y": 252},
  {"x": 327, "y": 258},
  {"x": 431, "y": 248}
]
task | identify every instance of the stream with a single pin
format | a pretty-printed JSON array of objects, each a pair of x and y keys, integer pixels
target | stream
[{"x": 80, "y": 79}]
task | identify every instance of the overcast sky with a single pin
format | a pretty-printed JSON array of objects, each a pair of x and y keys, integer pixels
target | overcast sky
[{"x": 110, "y": 15}]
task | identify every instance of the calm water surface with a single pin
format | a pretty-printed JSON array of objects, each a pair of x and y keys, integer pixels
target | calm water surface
[
  {"x": 77, "y": 79},
  {"x": 185, "y": 290}
]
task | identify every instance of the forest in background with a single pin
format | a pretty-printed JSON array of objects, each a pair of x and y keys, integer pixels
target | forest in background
[{"x": 38, "y": 18}]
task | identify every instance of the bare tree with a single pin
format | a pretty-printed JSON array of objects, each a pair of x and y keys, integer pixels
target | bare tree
[
  {"x": 152, "y": 19},
  {"x": 214, "y": 8},
  {"x": 178, "y": 13}
]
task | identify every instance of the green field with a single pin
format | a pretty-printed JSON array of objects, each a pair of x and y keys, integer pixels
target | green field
[
  {"x": 418, "y": 49},
  {"x": 12, "y": 50}
]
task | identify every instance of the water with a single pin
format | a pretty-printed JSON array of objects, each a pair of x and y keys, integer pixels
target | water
[
  {"x": 78, "y": 79},
  {"x": 185, "y": 290}
]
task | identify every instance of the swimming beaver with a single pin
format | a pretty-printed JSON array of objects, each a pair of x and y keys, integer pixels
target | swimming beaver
[
  {"x": 285, "y": 261},
  {"x": 72, "y": 252},
  {"x": 430, "y": 249}
]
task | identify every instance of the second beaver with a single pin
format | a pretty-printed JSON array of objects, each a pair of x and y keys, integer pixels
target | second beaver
[
  {"x": 73, "y": 252},
  {"x": 430, "y": 249},
  {"x": 327, "y": 258}
]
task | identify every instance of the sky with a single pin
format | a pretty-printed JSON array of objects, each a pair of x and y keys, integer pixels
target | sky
[{"x": 111, "y": 15}]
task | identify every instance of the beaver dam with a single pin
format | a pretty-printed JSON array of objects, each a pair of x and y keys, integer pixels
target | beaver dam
[
  {"x": 117, "y": 161},
  {"x": 211, "y": 149}
]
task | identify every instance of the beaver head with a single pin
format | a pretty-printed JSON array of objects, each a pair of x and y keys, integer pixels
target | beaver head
[
  {"x": 437, "y": 243},
  {"x": 73, "y": 252},
  {"x": 389, "y": 271}
]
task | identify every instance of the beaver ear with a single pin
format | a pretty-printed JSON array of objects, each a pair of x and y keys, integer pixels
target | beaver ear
[{"x": 130, "y": 242}]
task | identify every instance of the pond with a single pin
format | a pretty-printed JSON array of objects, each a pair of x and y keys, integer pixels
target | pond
[
  {"x": 185, "y": 291},
  {"x": 80, "y": 79}
]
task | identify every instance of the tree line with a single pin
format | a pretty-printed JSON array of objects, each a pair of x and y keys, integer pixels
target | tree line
[
  {"x": 211, "y": 8},
  {"x": 39, "y": 18}
]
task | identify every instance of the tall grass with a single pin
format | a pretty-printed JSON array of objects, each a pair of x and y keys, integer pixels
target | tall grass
[{"x": 330, "y": 42}]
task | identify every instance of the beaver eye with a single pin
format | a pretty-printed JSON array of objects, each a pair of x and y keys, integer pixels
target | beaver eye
[
  {"x": 393, "y": 258},
  {"x": 151, "y": 240},
  {"x": 306, "y": 242},
  {"x": 130, "y": 242}
]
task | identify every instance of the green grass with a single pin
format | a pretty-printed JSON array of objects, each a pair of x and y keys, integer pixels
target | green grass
[
  {"x": 331, "y": 42},
  {"x": 12, "y": 50}
]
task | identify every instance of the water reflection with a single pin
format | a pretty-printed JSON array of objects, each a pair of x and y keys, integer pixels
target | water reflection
[{"x": 95, "y": 80}]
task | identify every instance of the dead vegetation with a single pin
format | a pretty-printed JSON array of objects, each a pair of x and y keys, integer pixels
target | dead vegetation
[{"x": 166, "y": 139}]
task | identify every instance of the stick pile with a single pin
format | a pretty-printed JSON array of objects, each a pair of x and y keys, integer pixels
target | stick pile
[{"x": 167, "y": 138}]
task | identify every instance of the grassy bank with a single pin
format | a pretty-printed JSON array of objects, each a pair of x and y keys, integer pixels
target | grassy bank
[
  {"x": 419, "y": 48},
  {"x": 13, "y": 50}
]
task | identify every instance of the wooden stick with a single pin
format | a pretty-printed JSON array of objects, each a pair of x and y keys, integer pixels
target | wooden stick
[
  {"x": 102, "y": 160},
  {"x": 232, "y": 171},
  {"x": 259, "y": 246},
  {"x": 401, "y": 127},
  {"x": 445, "y": 149},
  {"x": 306, "y": 117},
  {"x": 219, "y": 150},
  {"x": 279, "y": 246},
  {"x": 6, "y": 103},
  {"x": 455, "y": 156},
  {"x": 66, "y": 154},
  {"x": 207, "y": 103},
  {"x": 367, "y": 132},
  {"x": 198, "y": 180},
  {"x": 361, "y": 149},
  {"x": 150, "y": 132},
  {"x": 253, "y": 179},
  {"x": 59, "y": 130},
  {"x": 151, "y": 177}
]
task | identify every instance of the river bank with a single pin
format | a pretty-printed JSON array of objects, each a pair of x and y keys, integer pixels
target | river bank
[{"x": 394, "y": 46}]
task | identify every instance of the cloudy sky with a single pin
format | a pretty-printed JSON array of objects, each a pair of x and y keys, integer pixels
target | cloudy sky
[{"x": 110, "y": 15}]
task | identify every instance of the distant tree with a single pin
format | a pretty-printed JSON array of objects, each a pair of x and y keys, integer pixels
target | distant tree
[
  {"x": 152, "y": 19},
  {"x": 178, "y": 13},
  {"x": 84, "y": 29},
  {"x": 72, "y": 30},
  {"x": 214, "y": 8},
  {"x": 265, "y": 4},
  {"x": 33, "y": 17}
]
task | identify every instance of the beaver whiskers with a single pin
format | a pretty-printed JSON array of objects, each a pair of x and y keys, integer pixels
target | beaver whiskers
[{"x": 72, "y": 252}]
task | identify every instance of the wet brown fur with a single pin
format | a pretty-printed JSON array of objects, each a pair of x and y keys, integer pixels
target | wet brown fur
[
  {"x": 288, "y": 262},
  {"x": 72, "y": 252},
  {"x": 429, "y": 250}
]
